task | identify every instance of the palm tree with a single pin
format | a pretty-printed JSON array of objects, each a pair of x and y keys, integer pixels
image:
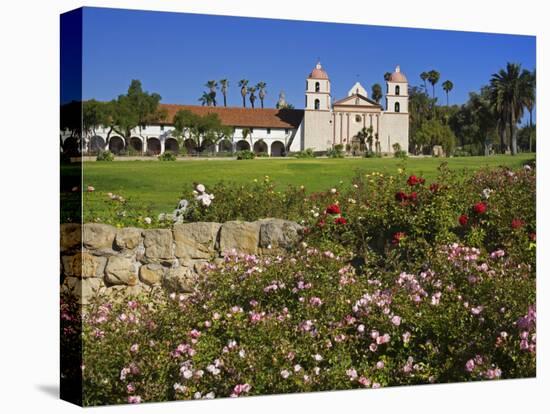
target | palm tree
[
  {"x": 262, "y": 92},
  {"x": 206, "y": 99},
  {"x": 424, "y": 76},
  {"x": 252, "y": 91},
  {"x": 377, "y": 92},
  {"x": 508, "y": 91},
  {"x": 529, "y": 101},
  {"x": 244, "y": 90},
  {"x": 212, "y": 85},
  {"x": 225, "y": 85},
  {"x": 447, "y": 87},
  {"x": 433, "y": 78}
]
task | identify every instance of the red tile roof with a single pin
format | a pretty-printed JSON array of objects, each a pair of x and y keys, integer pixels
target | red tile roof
[{"x": 242, "y": 117}]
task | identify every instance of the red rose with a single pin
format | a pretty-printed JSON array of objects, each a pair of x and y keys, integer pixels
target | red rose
[
  {"x": 533, "y": 237},
  {"x": 463, "y": 220},
  {"x": 397, "y": 237},
  {"x": 400, "y": 196},
  {"x": 340, "y": 220},
  {"x": 321, "y": 223},
  {"x": 333, "y": 209},
  {"x": 434, "y": 188},
  {"x": 414, "y": 180},
  {"x": 412, "y": 196},
  {"x": 517, "y": 223},
  {"x": 480, "y": 208}
]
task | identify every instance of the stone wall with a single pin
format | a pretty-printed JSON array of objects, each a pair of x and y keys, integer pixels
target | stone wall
[{"x": 101, "y": 258}]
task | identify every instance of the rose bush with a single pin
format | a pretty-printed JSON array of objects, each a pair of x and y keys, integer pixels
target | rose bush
[
  {"x": 397, "y": 281},
  {"x": 312, "y": 321}
]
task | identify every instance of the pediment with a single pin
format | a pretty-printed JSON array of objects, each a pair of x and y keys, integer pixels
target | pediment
[{"x": 356, "y": 100}]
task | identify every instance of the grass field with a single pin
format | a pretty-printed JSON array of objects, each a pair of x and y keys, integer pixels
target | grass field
[{"x": 159, "y": 185}]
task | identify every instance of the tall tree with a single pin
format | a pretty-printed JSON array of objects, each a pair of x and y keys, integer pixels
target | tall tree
[
  {"x": 132, "y": 110},
  {"x": 447, "y": 87},
  {"x": 529, "y": 101},
  {"x": 243, "y": 84},
  {"x": 206, "y": 99},
  {"x": 252, "y": 92},
  {"x": 509, "y": 87},
  {"x": 94, "y": 115},
  {"x": 377, "y": 92},
  {"x": 424, "y": 76},
  {"x": 224, "y": 87},
  {"x": 212, "y": 86},
  {"x": 433, "y": 78},
  {"x": 261, "y": 92}
]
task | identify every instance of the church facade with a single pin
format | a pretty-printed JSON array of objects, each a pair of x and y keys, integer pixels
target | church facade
[
  {"x": 321, "y": 125},
  {"x": 328, "y": 123}
]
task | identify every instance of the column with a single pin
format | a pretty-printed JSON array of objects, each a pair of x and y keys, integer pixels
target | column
[
  {"x": 347, "y": 127},
  {"x": 333, "y": 129},
  {"x": 341, "y": 127},
  {"x": 161, "y": 146}
]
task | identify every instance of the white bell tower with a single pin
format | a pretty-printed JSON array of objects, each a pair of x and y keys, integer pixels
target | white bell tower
[{"x": 397, "y": 93}]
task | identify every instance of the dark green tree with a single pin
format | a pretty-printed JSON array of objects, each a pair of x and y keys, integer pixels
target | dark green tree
[{"x": 376, "y": 92}]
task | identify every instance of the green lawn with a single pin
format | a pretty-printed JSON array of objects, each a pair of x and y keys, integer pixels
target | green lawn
[{"x": 160, "y": 184}]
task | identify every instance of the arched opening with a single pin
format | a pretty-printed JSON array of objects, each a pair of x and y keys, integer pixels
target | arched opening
[
  {"x": 190, "y": 146},
  {"x": 397, "y": 107},
  {"x": 71, "y": 147},
  {"x": 397, "y": 89},
  {"x": 153, "y": 146},
  {"x": 136, "y": 146},
  {"x": 171, "y": 144},
  {"x": 116, "y": 145},
  {"x": 225, "y": 146},
  {"x": 97, "y": 144},
  {"x": 317, "y": 104},
  {"x": 260, "y": 147},
  {"x": 243, "y": 146},
  {"x": 277, "y": 149},
  {"x": 208, "y": 147},
  {"x": 317, "y": 86}
]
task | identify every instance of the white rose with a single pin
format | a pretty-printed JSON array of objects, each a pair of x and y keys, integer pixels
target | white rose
[{"x": 201, "y": 188}]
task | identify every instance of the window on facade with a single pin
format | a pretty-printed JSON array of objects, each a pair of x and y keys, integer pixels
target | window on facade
[
  {"x": 397, "y": 89},
  {"x": 396, "y": 107},
  {"x": 357, "y": 101},
  {"x": 269, "y": 130},
  {"x": 251, "y": 130},
  {"x": 317, "y": 104},
  {"x": 307, "y": 85},
  {"x": 357, "y": 118},
  {"x": 143, "y": 127},
  {"x": 306, "y": 101},
  {"x": 317, "y": 86},
  {"x": 286, "y": 130},
  {"x": 162, "y": 127}
]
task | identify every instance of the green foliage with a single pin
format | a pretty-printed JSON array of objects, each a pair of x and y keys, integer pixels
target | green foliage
[
  {"x": 245, "y": 155},
  {"x": 336, "y": 152},
  {"x": 105, "y": 156},
  {"x": 167, "y": 156},
  {"x": 307, "y": 153},
  {"x": 157, "y": 186},
  {"x": 397, "y": 293},
  {"x": 376, "y": 94},
  {"x": 433, "y": 132}
]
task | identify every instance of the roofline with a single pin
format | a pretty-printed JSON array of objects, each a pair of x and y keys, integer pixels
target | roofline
[{"x": 360, "y": 96}]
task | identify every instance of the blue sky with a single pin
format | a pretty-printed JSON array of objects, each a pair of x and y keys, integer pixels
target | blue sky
[{"x": 174, "y": 54}]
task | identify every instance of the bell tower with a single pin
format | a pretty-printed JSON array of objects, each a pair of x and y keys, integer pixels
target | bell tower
[
  {"x": 318, "y": 111},
  {"x": 318, "y": 90},
  {"x": 397, "y": 93}
]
